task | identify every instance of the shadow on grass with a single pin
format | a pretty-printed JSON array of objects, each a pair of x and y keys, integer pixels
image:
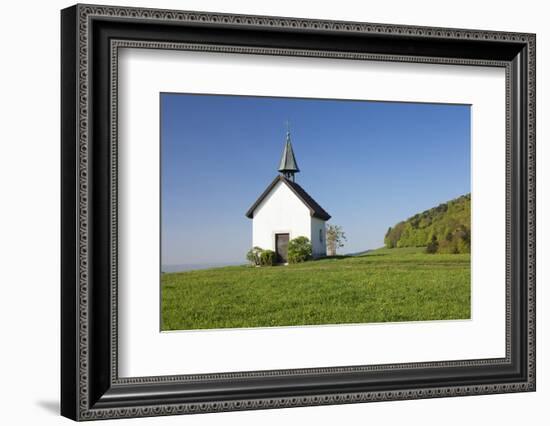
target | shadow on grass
[
  {"x": 349, "y": 256},
  {"x": 337, "y": 257}
]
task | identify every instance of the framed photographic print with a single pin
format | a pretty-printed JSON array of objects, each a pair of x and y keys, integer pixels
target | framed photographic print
[{"x": 263, "y": 212}]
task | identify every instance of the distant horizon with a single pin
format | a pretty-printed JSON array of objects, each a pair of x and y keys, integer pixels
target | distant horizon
[
  {"x": 180, "y": 267},
  {"x": 370, "y": 164}
]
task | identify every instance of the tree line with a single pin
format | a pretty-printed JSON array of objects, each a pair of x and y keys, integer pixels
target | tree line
[{"x": 442, "y": 229}]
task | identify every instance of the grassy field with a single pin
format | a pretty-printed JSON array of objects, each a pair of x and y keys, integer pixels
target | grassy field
[{"x": 383, "y": 285}]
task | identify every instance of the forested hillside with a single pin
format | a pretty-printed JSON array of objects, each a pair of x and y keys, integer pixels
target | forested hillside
[{"x": 442, "y": 229}]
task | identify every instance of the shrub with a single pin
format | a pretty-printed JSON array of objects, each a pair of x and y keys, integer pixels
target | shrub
[
  {"x": 433, "y": 246},
  {"x": 267, "y": 258},
  {"x": 253, "y": 255},
  {"x": 299, "y": 250},
  {"x": 464, "y": 240},
  {"x": 463, "y": 246},
  {"x": 448, "y": 247}
]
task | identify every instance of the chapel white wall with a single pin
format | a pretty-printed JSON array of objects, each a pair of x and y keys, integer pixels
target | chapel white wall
[
  {"x": 280, "y": 212},
  {"x": 319, "y": 247}
]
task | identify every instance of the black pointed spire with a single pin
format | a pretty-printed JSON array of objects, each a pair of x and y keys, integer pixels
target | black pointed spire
[{"x": 288, "y": 165}]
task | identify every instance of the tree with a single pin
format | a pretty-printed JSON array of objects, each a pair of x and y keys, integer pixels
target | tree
[
  {"x": 299, "y": 250},
  {"x": 394, "y": 234},
  {"x": 335, "y": 238}
]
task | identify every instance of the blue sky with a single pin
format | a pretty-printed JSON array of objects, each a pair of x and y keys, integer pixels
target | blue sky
[{"x": 369, "y": 164}]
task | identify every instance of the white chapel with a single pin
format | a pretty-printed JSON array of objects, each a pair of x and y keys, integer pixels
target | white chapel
[{"x": 285, "y": 211}]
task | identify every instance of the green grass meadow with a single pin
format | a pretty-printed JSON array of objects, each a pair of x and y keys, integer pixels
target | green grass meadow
[{"x": 383, "y": 285}]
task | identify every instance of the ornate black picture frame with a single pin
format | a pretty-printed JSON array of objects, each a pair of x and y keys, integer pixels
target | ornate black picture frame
[{"x": 91, "y": 37}]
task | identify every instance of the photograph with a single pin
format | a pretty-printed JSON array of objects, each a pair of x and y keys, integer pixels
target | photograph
[{"x": 280, "y": 212}]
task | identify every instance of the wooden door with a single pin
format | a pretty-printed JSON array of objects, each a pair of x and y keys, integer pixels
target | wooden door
[{"x": 281, "y": 247}]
